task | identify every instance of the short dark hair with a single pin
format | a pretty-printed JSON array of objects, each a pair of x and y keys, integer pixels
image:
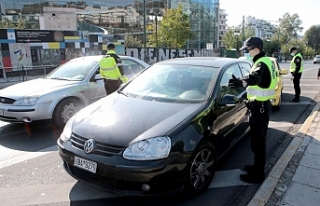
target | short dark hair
[{"x": 111, "y": 46}]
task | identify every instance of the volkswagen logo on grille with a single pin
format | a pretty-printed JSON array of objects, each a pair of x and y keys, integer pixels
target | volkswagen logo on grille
[{"x": 89, "y": 146}]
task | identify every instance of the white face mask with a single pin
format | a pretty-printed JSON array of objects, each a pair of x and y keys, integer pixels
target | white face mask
[
  {"x": 248, "y": 56},
  {"x": 292, "y": 54}
]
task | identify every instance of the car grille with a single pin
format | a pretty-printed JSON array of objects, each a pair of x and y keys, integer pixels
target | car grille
[
  {"x": 4, "y": 100},
  {"x": 112, "y": 185},
  {"x": 101, "y": 149}
]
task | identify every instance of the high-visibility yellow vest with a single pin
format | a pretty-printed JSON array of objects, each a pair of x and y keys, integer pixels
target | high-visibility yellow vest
[
  {"x": 293, "y": 64},
  {"x": 263, "y": 94},
  {"x": 109, "y": 67}
]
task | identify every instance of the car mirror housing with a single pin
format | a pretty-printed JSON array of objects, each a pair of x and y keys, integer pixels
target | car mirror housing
[
  {"x": 229, "y": 100},
  {"x": 97, "y": 77},
  {"x": 283, "y": 71}
]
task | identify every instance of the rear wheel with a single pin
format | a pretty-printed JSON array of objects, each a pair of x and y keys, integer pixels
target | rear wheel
[
  {"x": 65, "y": 110},
  {"x": 200, "y": 169}
]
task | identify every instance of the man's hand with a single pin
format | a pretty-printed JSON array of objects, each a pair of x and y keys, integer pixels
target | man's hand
[
  {"x": 235, "y": 82},
  {"x": 318, "y": 77}
]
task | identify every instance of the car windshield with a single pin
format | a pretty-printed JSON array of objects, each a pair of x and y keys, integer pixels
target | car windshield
[
  {"x": 73, "y": 70},
  {"x": 173, "y": 83},
  {"x": 317, "y": 56}
]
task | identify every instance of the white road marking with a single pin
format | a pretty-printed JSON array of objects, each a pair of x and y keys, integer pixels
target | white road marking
[
  {"x": 23, "y": 156},
  {"x": 275, "y": 124},
  {"x": 227, "y": 178}
]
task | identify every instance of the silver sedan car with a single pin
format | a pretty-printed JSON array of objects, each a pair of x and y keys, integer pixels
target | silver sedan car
[{"x": 63, "y": 92}]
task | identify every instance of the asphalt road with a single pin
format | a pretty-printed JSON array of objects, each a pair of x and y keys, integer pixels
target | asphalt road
[{"x": 31, "y": 171}]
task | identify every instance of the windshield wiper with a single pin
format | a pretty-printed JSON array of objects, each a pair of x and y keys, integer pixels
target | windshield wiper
[
  {"x": 60, "y": 78},
  {"x": 123, "y": 93}
]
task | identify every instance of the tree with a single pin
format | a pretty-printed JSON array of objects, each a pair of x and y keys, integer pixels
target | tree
[
  {"x": 289, "y": 26},
  {"x": 312, "y": 39},
  {"x": 132, "y": 41},
  {"x": 173, "y": 30},
  {"x": 8, "y": 24}
]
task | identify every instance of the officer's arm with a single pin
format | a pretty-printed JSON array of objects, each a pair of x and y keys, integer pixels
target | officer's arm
[
  {"x": 118, "y": 61},
  {"x": 318, "y": 74},
  {"x": 297, "y": 61},
  {"x": 255, "y": 76}
]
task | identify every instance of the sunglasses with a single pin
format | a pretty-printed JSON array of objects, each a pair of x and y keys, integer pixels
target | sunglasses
[{"x": 248, "y": 49}]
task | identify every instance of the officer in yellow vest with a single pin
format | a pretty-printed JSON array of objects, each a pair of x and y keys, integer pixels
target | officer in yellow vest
[
  {"x": 111, "y": 70},
  {"x": 260, "y": 86},
  {"x": 296, "y": 69}
]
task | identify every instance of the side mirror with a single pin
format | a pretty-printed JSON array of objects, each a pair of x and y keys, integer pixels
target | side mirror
[
  {"x": 283, "y": 71},
  {"x": 229, "y": 100},
  {"x": 98, "y": 77}
]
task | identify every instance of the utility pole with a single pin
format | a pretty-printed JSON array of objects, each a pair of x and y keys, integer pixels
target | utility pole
[
  {"x": 144, "y": 31},
  {"x": 243, "y": 37}
]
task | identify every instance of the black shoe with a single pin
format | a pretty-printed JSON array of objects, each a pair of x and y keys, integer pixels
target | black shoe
[
  {"x": 295, "y": 100},
  {"x": 251, "y": 178},
  {"x": 249, "y": 168}
]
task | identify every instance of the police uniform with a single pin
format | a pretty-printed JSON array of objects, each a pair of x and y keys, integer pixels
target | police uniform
[
  {"x": 260, "y": 84},
  {"x": 296, "y": 69},
  {"x": 111, "y": 70}
]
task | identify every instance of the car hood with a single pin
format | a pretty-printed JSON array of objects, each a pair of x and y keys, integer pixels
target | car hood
[
  {"x": 33, "y": 87},
  {"x": 119, "y": 120}
]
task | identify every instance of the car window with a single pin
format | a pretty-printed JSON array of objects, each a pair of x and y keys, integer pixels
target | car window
[
  {"x": 227, "y": 75},
  {"x": 75, "y": 69},
  {"x": 130, "y": 67},
  {"x": 245, "y": 69},
  {"x": 173, "y": 83}
]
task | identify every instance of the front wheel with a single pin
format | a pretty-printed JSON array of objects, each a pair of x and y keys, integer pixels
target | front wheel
[
  {"x": 277, "y": 107},
  {"x": 65, "y": 110},
  {"x": 200, "y": 169}
]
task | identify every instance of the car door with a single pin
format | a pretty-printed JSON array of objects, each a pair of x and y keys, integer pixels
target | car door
[
  {"x": 96, "y": 87},
  {"x": 232, "y": 114}
]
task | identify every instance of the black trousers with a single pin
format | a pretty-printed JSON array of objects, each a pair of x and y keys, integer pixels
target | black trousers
[
  {"x": 296, "y": 85},
  {"x": 111, "y": 85},
  {"x": 259, "y": 120}
]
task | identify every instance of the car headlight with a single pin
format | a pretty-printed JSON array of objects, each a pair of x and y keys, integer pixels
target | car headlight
[
  {"x": 67, "y": 130},
  {"x": 25, "y": 101},
  {"x": 149, "y": 149}
]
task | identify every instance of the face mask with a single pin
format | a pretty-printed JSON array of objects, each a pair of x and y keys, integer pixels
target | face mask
[
  {"x": 248, "y": 57},
  {"x": 292, "y": 54}
]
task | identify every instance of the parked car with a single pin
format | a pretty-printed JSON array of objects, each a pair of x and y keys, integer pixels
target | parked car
[
  {"x": 163, "y": 132},
  {"x": 62, "y": 93},
  {"x": 276, "y": 102},
  {"x": 316, "y": 59}
]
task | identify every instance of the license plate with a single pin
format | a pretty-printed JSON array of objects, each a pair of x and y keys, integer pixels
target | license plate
[
  {"x": 85, "y": 164},
  {"x": 1, "y": 112}
]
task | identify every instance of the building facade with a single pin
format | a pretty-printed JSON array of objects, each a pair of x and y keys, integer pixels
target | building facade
[
  {"x": 119, "y": 17},
  {"x": 222, "y": 29}
]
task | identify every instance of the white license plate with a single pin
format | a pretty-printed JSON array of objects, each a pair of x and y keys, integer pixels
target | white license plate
[
  {"x": 85, "y": 164},
  {"x": 1, "y": 112}
]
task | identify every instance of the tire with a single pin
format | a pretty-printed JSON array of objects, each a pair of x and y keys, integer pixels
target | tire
[
  {"x": 200, "y": 170},
  {"x": 65, "y": 110}
]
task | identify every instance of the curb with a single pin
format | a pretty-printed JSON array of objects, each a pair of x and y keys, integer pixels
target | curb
[{"x": 265, "y": 191}]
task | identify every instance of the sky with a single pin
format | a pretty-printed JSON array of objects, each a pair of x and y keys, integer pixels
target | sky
[{"x": 308, "y": 10}]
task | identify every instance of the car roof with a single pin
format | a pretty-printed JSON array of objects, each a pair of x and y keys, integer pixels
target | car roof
[{"x": 207, "y": 61}]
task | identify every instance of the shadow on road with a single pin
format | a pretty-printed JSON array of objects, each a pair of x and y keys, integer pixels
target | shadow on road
[{"x": 29, "y": 137}]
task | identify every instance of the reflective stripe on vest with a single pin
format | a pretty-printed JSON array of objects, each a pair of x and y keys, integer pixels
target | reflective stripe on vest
[
  {"x": 293, "y": 64},
  {"x": 262, "y": 94}
]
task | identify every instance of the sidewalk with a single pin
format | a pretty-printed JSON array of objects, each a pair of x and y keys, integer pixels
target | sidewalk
[{"x": 295, "y": 178}]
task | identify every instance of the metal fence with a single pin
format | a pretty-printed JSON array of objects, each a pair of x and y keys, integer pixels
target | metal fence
[{"x": 9, "y": 74}]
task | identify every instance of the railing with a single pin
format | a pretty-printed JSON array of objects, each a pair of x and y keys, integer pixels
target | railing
[{"x": 24, "y": 73}]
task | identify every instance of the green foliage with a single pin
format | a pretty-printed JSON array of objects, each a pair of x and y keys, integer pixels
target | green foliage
[
  {"x": 8, "y": 24},
  {"x": 132, "y": 41},
  {"x": 289, "y": 26},
  {"x": 312, "y": 39},
  {"x": 173, "y": 30}
]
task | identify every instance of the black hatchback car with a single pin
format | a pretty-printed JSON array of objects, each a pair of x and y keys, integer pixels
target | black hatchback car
[{"x": 162, "y": 132}]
